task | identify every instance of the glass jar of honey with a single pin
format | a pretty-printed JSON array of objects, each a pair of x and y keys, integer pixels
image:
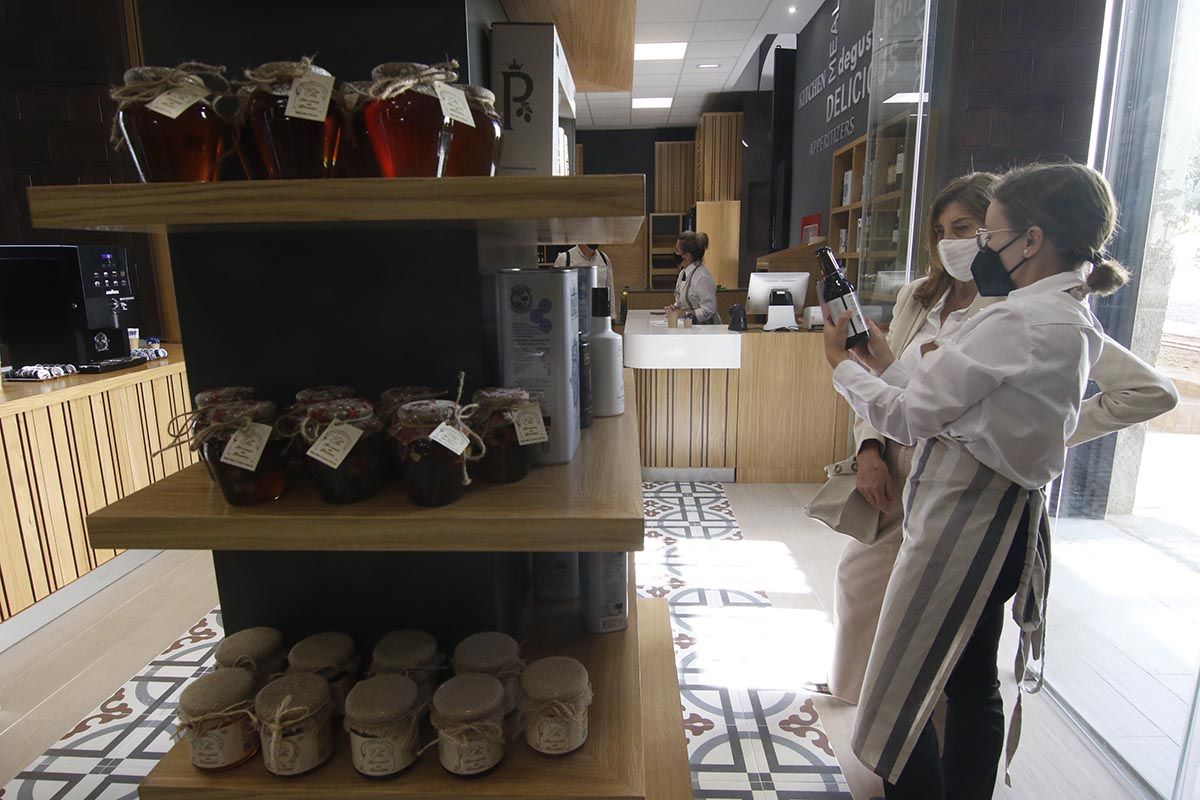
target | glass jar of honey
[
  {"x": 408, "y": 130},
  {"x": 505, "y": 460},
  {"x": 321, "y": 394},
  {"x": 434, "y": 474},
  {"x": 244, "y": 144},
  {"x": 346, "y": 468},
  {"x": 356, "y": 158},
  {"x": 254, "y": 469},
  {"x": 166, "y": 116},
  {"x": 474, "y": 151},
  {"x": 291, "y": 147}
]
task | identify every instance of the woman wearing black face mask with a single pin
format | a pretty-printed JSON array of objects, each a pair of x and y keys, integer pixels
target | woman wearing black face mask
[
  {"x": 695, "y": 289},
  {"x": 989, "y": 412}
]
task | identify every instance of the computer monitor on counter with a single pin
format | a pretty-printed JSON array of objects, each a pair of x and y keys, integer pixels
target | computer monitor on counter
[{"x": 763, "y": 283}]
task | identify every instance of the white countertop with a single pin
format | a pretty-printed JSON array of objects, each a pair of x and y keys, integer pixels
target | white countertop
[{"x": 650, "y": 344}]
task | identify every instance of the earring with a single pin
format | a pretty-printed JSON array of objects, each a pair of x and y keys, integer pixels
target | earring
[{"x": 1025, "y": 254}]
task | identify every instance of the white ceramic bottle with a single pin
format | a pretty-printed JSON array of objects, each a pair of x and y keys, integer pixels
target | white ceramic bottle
[{"x": 608, "y": 360}]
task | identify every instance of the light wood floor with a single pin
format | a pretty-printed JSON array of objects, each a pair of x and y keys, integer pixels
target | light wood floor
[
  {"x": 1054, "y": 761},
  {"x": 55, "y": 677}
]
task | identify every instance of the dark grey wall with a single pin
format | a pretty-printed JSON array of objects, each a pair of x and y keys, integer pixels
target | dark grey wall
[
  {"x": 481, "y": 15},
  {"x": 832, "y": 65},
  {"x": 623, "y": 152}
]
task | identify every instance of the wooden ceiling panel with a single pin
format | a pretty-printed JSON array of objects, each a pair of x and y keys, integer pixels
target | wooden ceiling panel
[{"x": 597, "y": 35}]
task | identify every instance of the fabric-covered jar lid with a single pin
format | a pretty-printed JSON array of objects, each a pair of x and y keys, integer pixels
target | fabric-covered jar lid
[
  {"x": 479, "y": 96},
  {"x": 399, "y": 395},
  {"x": 223, "y": 394},
  {"x": 396, "y": 77},
  {"x": 319, "y": 394},
  {"x": 381, "y": 699},
  {"x": 276, "y": 76},
  {"x": 215, "y": 692},
  {"x": 404, "y": 649},
  {"x": 489, "y": 651},
  {"x": 354, "y": 410},
  {"x": 500, "y": 398},
  {"x": 323, "y": 651},
  {"x": 468, "y": 698},
  {"x": 421, "y": 413},
  {"x": 258, "y": 644},
  {"x": 309, "y": 694},
  {"x": 353, "y": 95},
  {"x": 256, "y": 410},
  {"x": 555, "y": 678}
]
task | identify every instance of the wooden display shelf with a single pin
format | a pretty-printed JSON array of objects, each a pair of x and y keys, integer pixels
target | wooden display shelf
[
  {"x": 877, "y": 297},
  {"x": 846, "y": 209},
  {"x": 607, "y": 209},
  {"x": 592, "y": 504},
  {"x": 613, "y": 763}
]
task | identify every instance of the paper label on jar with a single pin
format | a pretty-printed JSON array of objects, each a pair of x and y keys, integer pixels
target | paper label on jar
[
  {"x": 332, "y": 446},
  {"x": 225, "y": 745},
  {"x": 246, "y": 446},
  {"x": 378, "y": 755},
  {"x": 454, "y": 103},
  {"x": 300, "y": 748},
  {"x": 471, "y": 755},
  {"x": 557, "y": 735},
  {"x": 528, "y": 421},
  {"x": 310, "y": 96},
  {"x": 450, "y": 438},
  {"x": 174, "y": 102}
]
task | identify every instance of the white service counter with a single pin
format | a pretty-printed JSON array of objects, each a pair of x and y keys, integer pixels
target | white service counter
[{"x": 650, "y": 344}]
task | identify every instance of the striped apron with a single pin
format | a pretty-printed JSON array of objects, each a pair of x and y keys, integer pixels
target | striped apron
[{"x": 961, "y": 518}]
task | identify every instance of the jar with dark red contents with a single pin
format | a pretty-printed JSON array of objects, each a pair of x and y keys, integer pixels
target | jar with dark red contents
[
  {"x": 223, "y": 394},
  {"x": 291, "y": 147},
  {"x": 321, "y": 394},
  {"x": 244, "y": 481},
  {"x": 474, "y": 151},
  {"x": 187, "y": 425},
  {"x": 391, "y": 400},
  {"x": 356, "y": 158},
  {"x": 434, "y": 474},
  {"x": 409, "y": 132},
  {"x": 505, "y": 460},
  {"x": 361, "y": 463},
  {"x": 167, "y": 118}
]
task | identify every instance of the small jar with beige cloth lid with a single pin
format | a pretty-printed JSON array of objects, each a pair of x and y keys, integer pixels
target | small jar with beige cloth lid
[
  {"x": 496, "y": 654},
  {"x": 383, "y": 718},
  {"x": 216, "y": 716},
  {"x": 295, "y": 717},
  {"x": 556, "y": 694},
  {"x": 332, "y": 656},
  {"x": 410, "y": 653},
  {"x": 259, "y": 650},
  {"x": 468, "y": 713}
]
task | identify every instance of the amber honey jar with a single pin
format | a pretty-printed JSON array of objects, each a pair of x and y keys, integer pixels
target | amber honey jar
[
  {"x": 350, "y": 465},
  {"x": 505, "y": 460},
  {"x": 433, "y": 473},
  {"x": 290, "y": 147},
  {"x": 474, "y": 151},
  {"x": 248, "y": 153},
  {"x": 253, "y": 469},
  {"x": 167, "y": 118},
  {"x": 409, "y": 132},
  {"x": 356, "y": 158}
]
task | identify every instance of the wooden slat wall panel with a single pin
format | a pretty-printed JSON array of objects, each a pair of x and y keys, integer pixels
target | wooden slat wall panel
[
  {"x": 674, "y": 176},
  {"x": 719, "y": 156},
  {"x": 687, "y": 417},
  {"x": 60, "y": 462}
]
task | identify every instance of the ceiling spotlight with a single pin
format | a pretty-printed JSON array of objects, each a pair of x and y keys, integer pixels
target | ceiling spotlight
[
  {"x": 659, "y": 51},
  {"x": 652, "y": 102},
  {"x": 791, "y": 9},
  {"x": 707, "y": 66}
]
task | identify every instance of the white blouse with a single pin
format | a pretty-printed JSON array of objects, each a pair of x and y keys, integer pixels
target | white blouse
[{"x": 696, "y": 289}]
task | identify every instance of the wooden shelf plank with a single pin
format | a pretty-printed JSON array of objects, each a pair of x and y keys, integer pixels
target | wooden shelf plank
[
  {"x": 607, "y": 209},
  {"x": 609, "y": 766},
  {"x": 592, "y": 504},
  {"x": 668, "y": 775},
  {"x": 847, "y": 208}
]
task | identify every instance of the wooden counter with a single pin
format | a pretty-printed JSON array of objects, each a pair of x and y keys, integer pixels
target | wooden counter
[{"x": 68, "y": 448}]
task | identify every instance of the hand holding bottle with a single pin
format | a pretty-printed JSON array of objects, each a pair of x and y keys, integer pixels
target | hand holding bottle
[{"x": 875, "y": 354}]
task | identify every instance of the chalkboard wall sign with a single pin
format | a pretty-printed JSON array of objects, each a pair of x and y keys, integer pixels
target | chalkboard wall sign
[{"x": 833, "y": 61}]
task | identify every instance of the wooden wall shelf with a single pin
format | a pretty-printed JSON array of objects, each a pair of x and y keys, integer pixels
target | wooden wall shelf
[
  {"x": 592, "y": 504},
  {"x": 566, "y": 209}
]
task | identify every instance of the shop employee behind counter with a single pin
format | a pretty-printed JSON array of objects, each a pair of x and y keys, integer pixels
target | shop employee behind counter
[
  {"x": 587, "y": 255},
  {"x": 695, "y": 289}
]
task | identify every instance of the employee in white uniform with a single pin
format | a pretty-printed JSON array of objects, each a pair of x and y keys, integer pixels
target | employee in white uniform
[
  {"x": 695, "y": 288},
  {"x": 990, "y": 410},
  {"x": 589, "y": 255}
]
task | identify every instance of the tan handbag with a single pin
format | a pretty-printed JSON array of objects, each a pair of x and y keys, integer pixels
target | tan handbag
[{"x": 840, "y": 506}]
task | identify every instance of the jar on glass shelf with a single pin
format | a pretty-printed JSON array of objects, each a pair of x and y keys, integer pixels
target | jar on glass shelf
[
  {"x": 216, "y": 718},
  {"x": 408, "y": 130},
  {"x": 474, "y": 151},
  {"x": 434, "y": 474},
  {"x": 345, "y": 449},
  {"x": 294, "y": 146},
  {"x": 383, "y": 718},
  {"x": 505, "y": 460},
  {"x": 168, "y": 119},
  {"x": 356, "y": 158},
  {"x": 244, "y": 452},
  {"x": 295, "y": 716},
  {"x": 257, "y": 650},
  {"x": 331, "y": 655}
]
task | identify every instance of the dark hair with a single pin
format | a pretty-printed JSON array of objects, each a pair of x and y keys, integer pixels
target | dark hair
[
  {"x": 693, "y": 244},
  {"x": 1075, "y": 207},
  {"x": 973, "y": 192}
]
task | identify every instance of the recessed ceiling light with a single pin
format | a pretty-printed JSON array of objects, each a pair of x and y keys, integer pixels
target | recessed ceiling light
[
  {"x": 707, "y": 66},
  {"x": 791, "y": 9},
  {"x": 659, "y": 51},
  {"x": 652, "y": 102}
]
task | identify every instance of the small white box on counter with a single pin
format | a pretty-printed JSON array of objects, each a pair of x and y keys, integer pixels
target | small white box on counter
[
  {"x": 538, "y": 333},
  {"x": 534, "y": 92}
]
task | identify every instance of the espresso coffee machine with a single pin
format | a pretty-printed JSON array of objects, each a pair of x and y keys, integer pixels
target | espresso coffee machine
[{"x": 68, "y": 304}]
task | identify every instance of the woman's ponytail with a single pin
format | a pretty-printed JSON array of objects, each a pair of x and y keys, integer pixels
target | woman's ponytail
[{"x": 1107, "y": 276}]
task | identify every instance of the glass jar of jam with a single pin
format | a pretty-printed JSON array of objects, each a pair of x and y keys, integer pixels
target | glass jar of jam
[
  {"x": 362, "y": 469},
  {"x": 504, "y": 460},
  {"x": 474, "y": 151},
  {"x": 187, "y": 147},
  {"x": 290, "y": 147},
  {"x": 391, "y": 400},
  {"x": 356, "y": 158},
  {"x": 321, "y": 394},
  {"x": 434, "y": 474},
  {"x": 187, "y": 424},
  {"x": 408, "y": 131},
  {"x": 241, "y": 485},
  {"x": 223, "y": 394}
]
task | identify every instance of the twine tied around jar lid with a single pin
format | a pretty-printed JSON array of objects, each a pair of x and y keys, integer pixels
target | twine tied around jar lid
[
  {"x": 468, "y": 705},
  {"x": 485, "y": 99},
  {"x": 422, "y": 417},
  {"x": 494, "y": 402},
  {"x": 223, "y": 419},
  {"x": 351, "y": 95},
  {"x": 391, "y": 399},
  {"x": 278, "y": 75},
  {"x": 555, "y": 687},
  {"x": 215, "y": 698},
  {"x": 289, "y": 701},
  {"x": 144, "y": 84},
  {"x": 397, "y": 77},
  {"x": 319, "y": 416}
]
